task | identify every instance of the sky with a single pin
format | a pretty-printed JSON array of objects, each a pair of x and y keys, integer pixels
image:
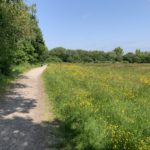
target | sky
[{"x": 95, "y": 24}]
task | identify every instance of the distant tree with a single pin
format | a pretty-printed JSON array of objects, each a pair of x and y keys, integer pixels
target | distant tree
[
  {"x": 53, "y": 59},
  {"x": 138, "y": 52},
  {"x": 130, "y": 57},
  {"x": 79, "y": 55},
  {"x": 98, "y": 56},
  {"x": 146, "y": 57},
  {"x": 119, "y": 53},
  {"x": 59, "y": 52},
  {"x": 138, "y": 56},
  {"x": 110, "y": 56}
]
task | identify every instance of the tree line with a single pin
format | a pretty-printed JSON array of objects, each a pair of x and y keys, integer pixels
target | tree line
[
  {"x": 60, "y": 54},
  {"x": 21, "y": 39}
]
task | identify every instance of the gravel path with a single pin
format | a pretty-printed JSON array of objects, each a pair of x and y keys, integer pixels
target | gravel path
[{"x": 23, "y": 114}]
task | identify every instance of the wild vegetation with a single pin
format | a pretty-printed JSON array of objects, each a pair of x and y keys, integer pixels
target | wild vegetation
[
  {"x": 21, "y": 41},
  {"x": 101, "y": 106},
  {"x": 20, "y": 37},
  {"x": 61, "y": 54}
]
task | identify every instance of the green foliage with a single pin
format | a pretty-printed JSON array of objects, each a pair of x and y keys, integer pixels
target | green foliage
[
  {"x": 53, "y": 59},
  {"x": 39, "y": 45},
  {"x": 137, "y": 57},
  {"x": 129, "y": 57},
  {"x": 117, "y": 55},
  {"x": 4, "y": 81},
  {"x": 67, "y": 55},
  {"x": 25, "y": 52},
  {"x": 20, "y": 37},
  {"x": 101, "y": 106}
]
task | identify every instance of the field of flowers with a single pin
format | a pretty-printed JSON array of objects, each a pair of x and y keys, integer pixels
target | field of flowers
[{"x": 103, "y": 106}]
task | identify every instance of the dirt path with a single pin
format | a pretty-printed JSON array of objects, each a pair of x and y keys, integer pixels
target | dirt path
[{"x": 23, "y": 114}]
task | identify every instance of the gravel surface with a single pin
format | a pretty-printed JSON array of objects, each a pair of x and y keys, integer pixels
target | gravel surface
[{"x": 24, "y": 123}]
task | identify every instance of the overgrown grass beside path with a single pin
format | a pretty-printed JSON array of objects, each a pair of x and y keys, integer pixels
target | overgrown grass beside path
[{"x": 102, "y": 106}]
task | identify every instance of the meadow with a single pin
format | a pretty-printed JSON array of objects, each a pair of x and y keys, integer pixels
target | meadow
[{"x": 101, "y": 106}]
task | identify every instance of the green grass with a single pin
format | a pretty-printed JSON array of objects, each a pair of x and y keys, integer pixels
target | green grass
[
  {"x": 102, "y": 106},
  {"x": 16, "y": 70}
]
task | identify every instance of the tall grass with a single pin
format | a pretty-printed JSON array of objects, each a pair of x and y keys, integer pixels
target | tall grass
[{"x": 102, "y": 106}]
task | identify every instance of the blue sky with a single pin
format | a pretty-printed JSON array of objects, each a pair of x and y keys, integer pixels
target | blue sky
[{"x": 95, "y": 24}]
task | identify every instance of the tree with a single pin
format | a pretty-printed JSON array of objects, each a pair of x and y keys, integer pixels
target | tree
[
  {"x": 110, "y": 56},
  {"x": 20, "y": 37},
  {"x": 15, "y": 24},
  {"x": 38, "y": 43},
  {"x": 119, "y": 53},
  {"x": 59, "y": 52},
  {"x": 129, "y": 57}
]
